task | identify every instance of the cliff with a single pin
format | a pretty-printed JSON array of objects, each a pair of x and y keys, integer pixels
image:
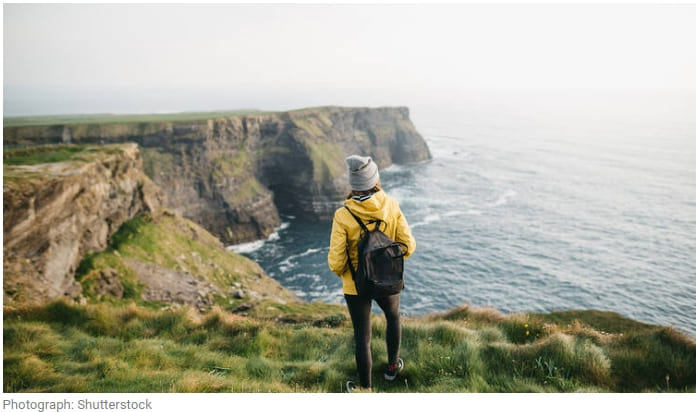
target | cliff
[
  {"x": 85, "y": 223},
  {"x": 234, "y": 173},
  {"x": 56, "y": 212}
]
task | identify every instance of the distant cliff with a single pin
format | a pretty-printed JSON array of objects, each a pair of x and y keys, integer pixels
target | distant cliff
[{"x": 233, "y": 174}]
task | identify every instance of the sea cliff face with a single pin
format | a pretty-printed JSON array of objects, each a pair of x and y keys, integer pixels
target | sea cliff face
[
  {"x": 56, "y": 212},
  {"x": 235, "y": 174}
]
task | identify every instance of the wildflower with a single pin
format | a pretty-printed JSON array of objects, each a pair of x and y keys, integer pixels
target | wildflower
[
  {"x": 526, "y": 325},
  {"x": 527, "y": 332}
]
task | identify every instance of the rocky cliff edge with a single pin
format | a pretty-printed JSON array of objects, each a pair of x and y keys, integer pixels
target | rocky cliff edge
[{"x": 55, "y": 213}]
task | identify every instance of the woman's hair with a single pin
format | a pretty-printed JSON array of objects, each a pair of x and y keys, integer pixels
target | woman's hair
[{"x": 375, "y": 189}]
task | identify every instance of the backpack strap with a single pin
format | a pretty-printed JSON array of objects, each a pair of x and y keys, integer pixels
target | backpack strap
[
  {"x": 360, "y": 222},
  {"x": 377, "y": 222}
]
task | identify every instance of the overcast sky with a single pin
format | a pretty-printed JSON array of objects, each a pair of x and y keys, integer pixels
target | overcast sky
[{"x": 60, "y": 58}]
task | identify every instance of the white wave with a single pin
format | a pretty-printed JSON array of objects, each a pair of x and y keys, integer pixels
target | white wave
[
  {"x": 432, "y": 218},
  {"x": 289, "y": 263},
  {"x": 455, "y": 213},
  {"x": 251, "y": 247},
  {"x": 248, "y": 247},
  {"x": 309, "y": 252},
  {"x": 428, "y": 219},
  {"x": 314, "y": 295},
  {"x": 314, "y": 278},
  {"x": 286, "y": 265},
  {"x": 504, "y": 198}
]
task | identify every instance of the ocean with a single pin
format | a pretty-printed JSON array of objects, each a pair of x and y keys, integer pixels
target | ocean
[{"x": 534, "y": 202}]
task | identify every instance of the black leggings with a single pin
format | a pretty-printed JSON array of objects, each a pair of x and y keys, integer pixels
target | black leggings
[{"x": 359, "y": 308}]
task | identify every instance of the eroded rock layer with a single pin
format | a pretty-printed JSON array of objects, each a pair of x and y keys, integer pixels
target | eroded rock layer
[{"x": 56, "y": 212}]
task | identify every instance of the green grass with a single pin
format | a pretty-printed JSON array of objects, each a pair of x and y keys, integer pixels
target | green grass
[
  {"x": 100, "y": 118},
  {"x": 602, "y": 321},
  {"x": 63, "y": 347},
  {"x": 54, "y": 153},
  {"x": 327, "y": 161},
  {"x": 24, "y": 168},
  {"x": 177, "y": 244},
  {"x": 232, "y": 165}
]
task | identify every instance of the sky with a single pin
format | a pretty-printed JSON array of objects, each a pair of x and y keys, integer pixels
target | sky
[{"x": 131, "y": 58}]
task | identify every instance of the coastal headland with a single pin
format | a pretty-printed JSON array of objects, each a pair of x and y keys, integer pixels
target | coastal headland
[{"x": 117, "y": 277}]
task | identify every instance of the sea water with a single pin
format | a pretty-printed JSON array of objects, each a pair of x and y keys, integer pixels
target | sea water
[{"x": 535, "y": 203}]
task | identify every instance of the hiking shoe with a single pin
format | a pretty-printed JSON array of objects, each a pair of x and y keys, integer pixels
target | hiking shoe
[
  {"x": 392, "y": 370},
  {"x": 350, "y": 386}
]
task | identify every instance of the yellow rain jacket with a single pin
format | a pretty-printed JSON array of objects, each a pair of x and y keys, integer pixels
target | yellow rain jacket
[{"x": 346, "y": 231}]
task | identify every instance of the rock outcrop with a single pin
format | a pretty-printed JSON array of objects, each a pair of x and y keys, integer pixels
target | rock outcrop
[
  {"x": 234, "y": 174},
  {"x": 56, "y": 212}
]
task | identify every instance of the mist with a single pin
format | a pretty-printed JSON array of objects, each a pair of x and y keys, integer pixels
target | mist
[{"x": 132, "y": 58}]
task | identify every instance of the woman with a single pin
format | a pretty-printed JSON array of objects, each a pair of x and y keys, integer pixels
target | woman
[{"x": 368, "y": 202}]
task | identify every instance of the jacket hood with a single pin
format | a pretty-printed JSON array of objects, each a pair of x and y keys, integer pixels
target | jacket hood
[{"x": 372, "y": 208}]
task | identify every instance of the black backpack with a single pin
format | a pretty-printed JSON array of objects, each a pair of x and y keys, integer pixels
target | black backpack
[{"x": 380, "y": 262}]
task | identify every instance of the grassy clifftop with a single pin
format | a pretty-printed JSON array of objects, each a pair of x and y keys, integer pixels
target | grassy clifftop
[
  {"x": 63, "y": 347},
  {"x": 15, "y": 121}
]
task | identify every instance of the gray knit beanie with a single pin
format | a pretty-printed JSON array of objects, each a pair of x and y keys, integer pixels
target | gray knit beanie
[{"x": 362, "y": 173}]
